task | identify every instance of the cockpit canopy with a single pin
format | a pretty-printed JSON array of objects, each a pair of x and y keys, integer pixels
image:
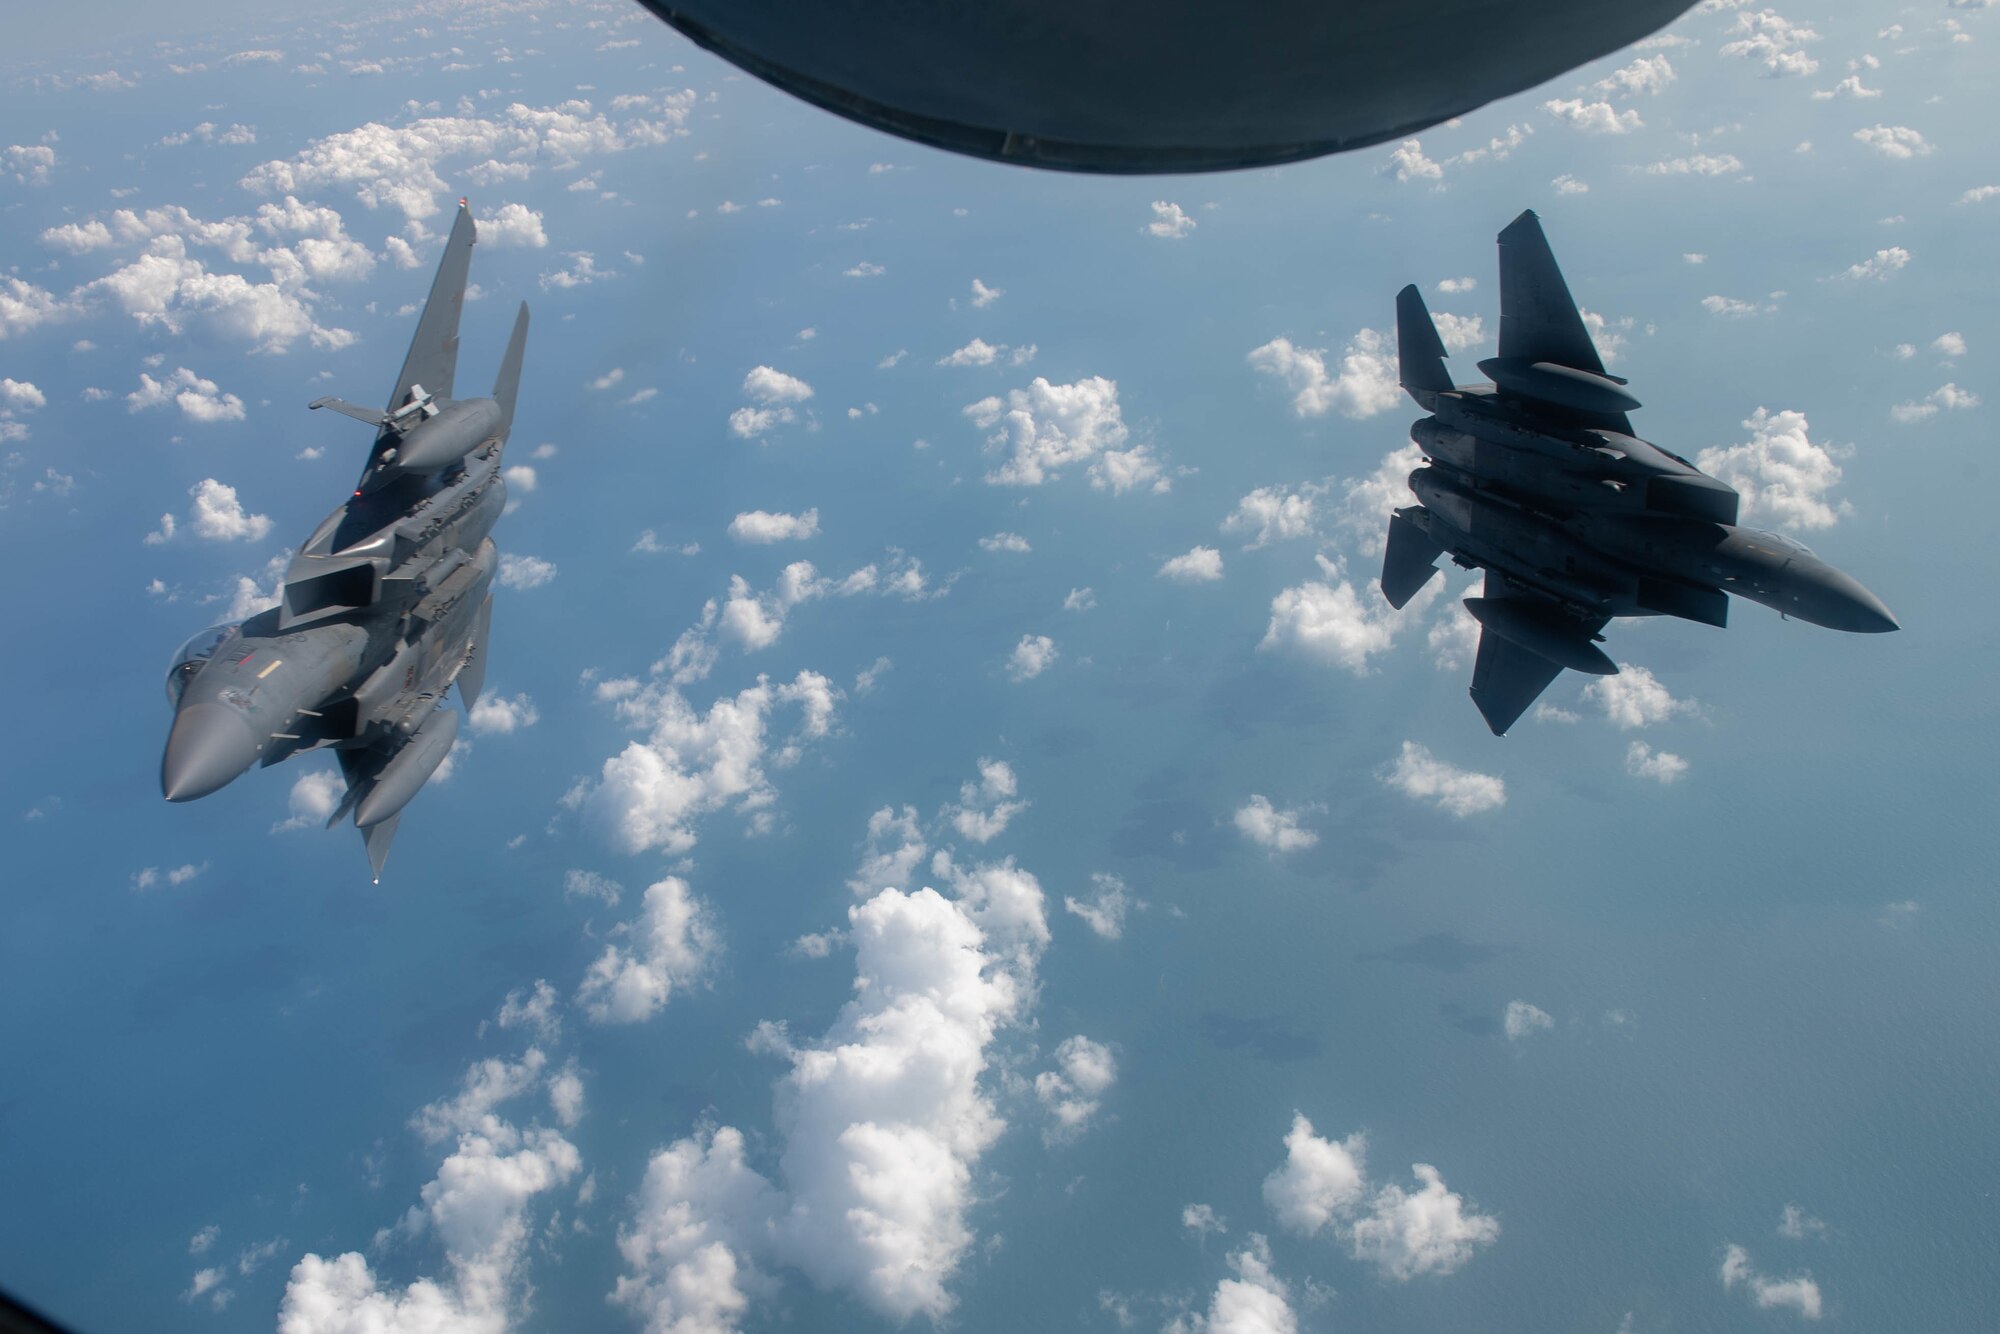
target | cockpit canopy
[{"x": 193, "y": 656}]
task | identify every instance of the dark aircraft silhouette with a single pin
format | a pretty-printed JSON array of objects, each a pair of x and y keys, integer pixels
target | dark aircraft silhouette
[{"x": 1537, "y": 479}]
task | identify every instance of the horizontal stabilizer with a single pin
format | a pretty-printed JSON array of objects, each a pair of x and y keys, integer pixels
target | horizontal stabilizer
[
  {"x": 354, "y": 410},
  {"x": 433, "y": 359},
  {"x": 1408, "y": 561},
  {"x": 508, "y": 382},
  {"x": 1506, "y": 679},
  {"x": 1538, "y": 319},
  {"x": 1690, "y": 602},
  {"x": 1419, "y": 351},
  {"x": 1543, "y": 629}
]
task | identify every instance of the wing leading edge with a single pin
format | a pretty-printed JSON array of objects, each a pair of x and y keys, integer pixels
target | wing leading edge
[{"x": 433, "y": 359}]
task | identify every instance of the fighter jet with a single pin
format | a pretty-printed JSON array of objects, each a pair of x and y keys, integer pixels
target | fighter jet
[
  {"x": 1152, "y": 86},
  {"x": 1537, "y": 479},
  {"x": 385, "y": 607}
]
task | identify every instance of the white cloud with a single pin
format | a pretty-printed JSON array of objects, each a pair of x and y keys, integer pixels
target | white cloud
[
  {"x": 1773, "y": 41},
  {"x": 1072, "y": 1093},
  {"x": 1976, "y": 195},
  {"x": 198, "y": 399},
  {"x": 894, "y": 848},
  {"x": 1368, "y": 501},
  {"x": 1453, "y": 286},
  {"x": 1634, "y": 698},
  {"x": 1169, "y": 221},
  {"x": 1949, "y": 397},
  {"x": 649, "y": 796},
  {"x": 1453, "y": 638},
  {"x": 1664, "y": 767},
  {"x": 774, "y": 395},
  {"x": 1429, "y": 1232},
  {"x": 1949, "y": 344},
  {"x": 1701, "y": 164},
  {"x": 313, "y": 798},
  {"x": 1524, "y": 1020},
  {"x": 402, "y": 166},
  {"x": 1048, "y": 427},
  {"x": 983, "y": 296},
  {"x": 979, "y": 352},
  {"x": 582, "y": 272},
  {"x": 218, "y": 516},
  {"x": 1408, "y": 163},
  {"x": 152, "y": 877},
  {"x": 1460, "y": 792},
  {"x": 1202, "y": 1220},
  {"x": 1730, "y": 308},
  {"x": 1031, "y": 657},
  {"x": 478, "y": 1206},
  {"x": 1795, "y": 1224},
  {"x": 30, "y": 163},
  {"x": 763, "y": 527},
  {"x": 1268, "y": 827},
  {"x": 520, "y": 477},
  {"x": 1459, "y": 333},
  {"x": 23, "y": 306},
  {"x": 534, "y": 1009},
  {"x": 1365, "y": 386},
  {"x": 1080, "y": 599},
  {"x": 525, "y": 572},
  {"x": 1593, "y": 117},
  {"x": 985, "y": 808},
  {"x": 1779, "y": 471},
  {"x": 1013, "y": 542},
  {"x": 1256, "y": 1301},
  {"x": 1567, "y": 184},
  {"x": 1849, "y": 87},
  {"x": 1647, "y": 74},
  {"x": 513, "y": 227},
  {"x": 1319, "y": 1182},
  {"x": 1328, "y": 623},
  {"x": 78, "y": 238},
  {"x": 671, "y": 947},
  {"x": 23, "y": 396},
  {"x": 1202, "y": 565},
  {"x": 608, "y": 379},
  {"x": 865, "y": 269},
  {"x": 699, "y": 1208},
  {"x": 1105, "y": 911},
  {"x": 1877, "y": 267},
  {"x": 1273, "y": 514},
  {"x": 1798, "y": 1293},
  {"x": 498, "y": 714},
  {"x": 1894, "y": 141}
]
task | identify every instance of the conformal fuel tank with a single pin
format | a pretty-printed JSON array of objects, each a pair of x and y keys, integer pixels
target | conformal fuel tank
[{"x": 1145, "y": 86}]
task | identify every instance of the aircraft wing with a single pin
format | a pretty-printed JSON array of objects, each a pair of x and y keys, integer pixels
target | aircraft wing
[
  {"x": 1507, "y": 678},
  {"x": 433, "y": 358}
]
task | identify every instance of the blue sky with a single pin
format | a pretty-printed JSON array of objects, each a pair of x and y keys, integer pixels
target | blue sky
[{"x": 954, "y": 835}]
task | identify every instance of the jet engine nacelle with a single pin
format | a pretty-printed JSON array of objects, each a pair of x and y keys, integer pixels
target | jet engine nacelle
[{"x": 438, "y": 442}]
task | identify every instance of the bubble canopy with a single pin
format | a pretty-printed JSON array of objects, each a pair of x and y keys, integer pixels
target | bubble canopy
[{"x": 192, "y": 656}]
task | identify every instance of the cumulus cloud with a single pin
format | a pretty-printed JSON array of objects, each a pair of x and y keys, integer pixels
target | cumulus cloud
[
  {"x": 1046, "y": 428},
  {"x": 1664, "y": 767},
  {"x": 1895, "y": 141},
  {"x": 1524, "y": 1020},
  {"x": 1104, "y": 912},
  {"x": 478, "y": 1206},
  {"x": 984, "y": 808},
  {"x": 499, "y": 714},
  {"x": 1013, "y": 542},
  {"x": 1773, "y": 41},
  {"x": 671, "y": 947},
  {"x": 1408, "y": 163},
  {"x": 774, "y": 396},
  {"x": 1268, "y": 827},
  {"x": 979, "y": 352},
  {"x": 1273, "y": 514},
  {"x": 1699, "y": 164},
  {"x": 1779, "y": 471},
  {"x": 313, "y": 798},
  {"x": 1327, "y": 622},
  {"x": 1593, "y": 117},
  {"x": 402, "y": 167},
  {"x": 198, "y": 399},
  {"x": 1031, "y": 657},
  {"x": 1647, "y": 74},
  {"x": 1798, "y": 1293},
  {"x": 1202, "y": 565},
  {"x": 1460, "y": 792},
  {"x": 1365, "y": 386},
  {"x": 513, "y": 227},
  {"x": 1635, "y": 698},
  {"x": 691, "y": 764},
  {"x": 1256, "y": 1301},
  {"x": 1948, "y": 397},
  {"x": 1319, "y": 1182},
  {"x": 1169, "y": 221},
  {"x": 983, "y": 296},
  {"x": 1878, "y": 267},
  {"x": 218, "y": 515},
  {"x": 152, "y": 877},
  {"x": 1730, "y": 308},
  {"x": 762, "y": 527},
  {"x": 1407, "y": 1235},
  {"x": 525, "y": 572},
  {"x": 167, "y": 288},
  {"x": 1072, "y": 1093}
]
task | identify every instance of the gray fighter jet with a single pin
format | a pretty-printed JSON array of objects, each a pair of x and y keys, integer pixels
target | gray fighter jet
[
  {"x": 384, "y": 608},
  {"x": 1537, "y": 479}
]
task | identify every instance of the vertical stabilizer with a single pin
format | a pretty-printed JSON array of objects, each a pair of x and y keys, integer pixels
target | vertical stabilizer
[
  {"x": 1538, "y": 319},
  {"x": 1419, "y": 350},
  {"x": 378, "y": 836},
  {"x": 508, "y": 382},
  {"x": 433, "y": 358}
]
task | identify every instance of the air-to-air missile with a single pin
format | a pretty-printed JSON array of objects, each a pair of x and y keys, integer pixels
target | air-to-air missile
[
  {"x": 385, "y": 607},
  {"x": 1151, "y": 86},
  {"x": 1537, "y": 479}
]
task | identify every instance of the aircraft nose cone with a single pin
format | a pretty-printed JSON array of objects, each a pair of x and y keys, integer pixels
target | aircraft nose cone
[
  {"x": 210, "y": 745},
  {"x": 1860, "y": 611}
]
